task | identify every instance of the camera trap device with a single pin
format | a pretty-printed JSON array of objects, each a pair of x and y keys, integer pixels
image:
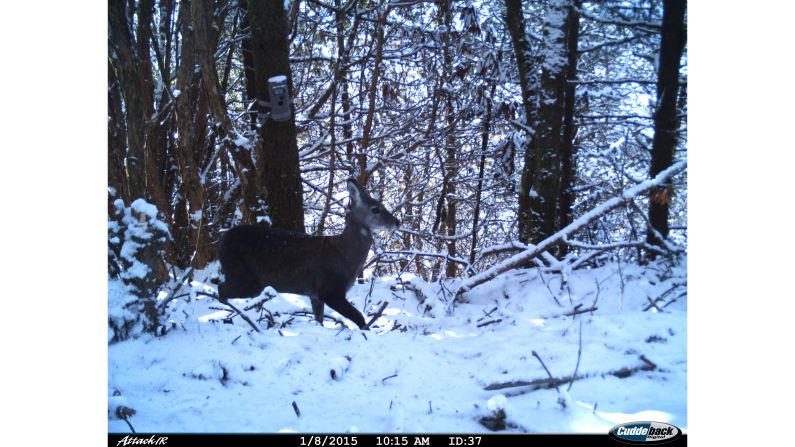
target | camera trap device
[{"x": 279, "y": 99}]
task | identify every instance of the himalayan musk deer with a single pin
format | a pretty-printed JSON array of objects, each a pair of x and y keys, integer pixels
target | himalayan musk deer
[{"x": 320, "y": 267}]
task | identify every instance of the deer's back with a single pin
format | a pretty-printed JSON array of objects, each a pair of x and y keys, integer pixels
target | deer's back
[{"x": 287, "y": 261}]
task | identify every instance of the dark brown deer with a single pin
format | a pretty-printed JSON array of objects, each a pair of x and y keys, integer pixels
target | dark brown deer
[{"x": 320, "y": 267}]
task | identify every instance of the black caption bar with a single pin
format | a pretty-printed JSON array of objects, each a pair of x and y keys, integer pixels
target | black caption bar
[{"x": 357, "y": 440}]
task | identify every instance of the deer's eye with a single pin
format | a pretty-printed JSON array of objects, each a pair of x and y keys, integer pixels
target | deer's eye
[{"x": 375, "y": 210}]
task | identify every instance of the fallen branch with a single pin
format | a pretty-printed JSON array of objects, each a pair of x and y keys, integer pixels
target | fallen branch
[
  {"x": 305, "y": 313},
  {"x": 261, "y": 302},
  {"x": 377, "y": 314},
  {"x": 486, "y": 323},
  {"x": 242, "y": 315},
  {"x": 297, "y": 411},
  {"x": 553, "y": 382},
  {"x": 577, "y": 310},
  {"x": 653, "y": 303},
  {"x": 173, "y": 295},
  {"x": 586, "y": 219},
  {"x": 408, "y": 285}
]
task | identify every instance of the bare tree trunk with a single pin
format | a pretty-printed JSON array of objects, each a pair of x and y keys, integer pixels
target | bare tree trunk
[
  {"x": 124, "y": 59},
  {"x": 540, "y": 181},
  {"x": 131, "y": 63},
  {"x": 117, "y": 137},
  {"x": 279, "y": 157},
  {"x": 332, "y": 168},
  {"x": 484, "y": 144},
  {"x": 363, "y": 175},
  {"x": 514, "y": 18},
  {"x": 548, "y": 125},
  {"x": 666, "y": 122},
  {"x": 344, "y": 55},
  {"x": 451, "y": 160},
  {"x": 567, "y": 167}
]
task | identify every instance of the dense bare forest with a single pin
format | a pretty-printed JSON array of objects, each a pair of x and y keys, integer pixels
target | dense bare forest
[{"x": 502, "y": 134}]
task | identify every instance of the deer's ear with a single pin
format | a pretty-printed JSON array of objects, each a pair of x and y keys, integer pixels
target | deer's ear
[{"x": 354, "y": 191}]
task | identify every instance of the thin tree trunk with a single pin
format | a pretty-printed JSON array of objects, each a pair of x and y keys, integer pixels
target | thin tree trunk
[
  {"x": 514, "y": 18},
  {"x": 666, "y": 122},
  {"x": 484, "y": 144},
  {"x": 156, "y": 137},
  {"x": 332, "y": 168},
  {"x": 123, "y": 58},
  {"x": 363, "y": 175},
  {"x": 344, "y": 54},
  {"x": 451, "y": 160},
  {"x": 567, "y": 167},
  {"x": 116, "y": 141}
]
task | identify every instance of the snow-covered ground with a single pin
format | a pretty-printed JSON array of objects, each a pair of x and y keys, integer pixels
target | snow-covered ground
[{"x": 425, "y": 367}]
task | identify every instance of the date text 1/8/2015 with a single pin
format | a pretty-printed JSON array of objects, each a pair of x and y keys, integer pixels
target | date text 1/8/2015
[{"x": 388, "y": 441}]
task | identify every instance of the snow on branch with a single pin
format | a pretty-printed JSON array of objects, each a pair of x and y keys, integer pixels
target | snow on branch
[{"x": 584, "y": 220}]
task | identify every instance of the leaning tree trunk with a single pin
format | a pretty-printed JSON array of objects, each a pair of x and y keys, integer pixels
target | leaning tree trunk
[{"x": 666, "y": 122}]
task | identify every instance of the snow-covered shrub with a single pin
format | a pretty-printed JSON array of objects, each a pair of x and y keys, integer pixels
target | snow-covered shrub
[
  {"x": 135, "y": 251},
  {"x": 115, "y": 233}
]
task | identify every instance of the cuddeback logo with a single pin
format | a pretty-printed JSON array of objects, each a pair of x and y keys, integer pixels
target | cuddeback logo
[{"x": 645, "y": 432}]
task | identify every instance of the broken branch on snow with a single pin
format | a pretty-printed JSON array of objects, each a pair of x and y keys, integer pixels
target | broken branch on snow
[
  {"x": 553, "y": 382},
  {"x": 586, "y": 219}
]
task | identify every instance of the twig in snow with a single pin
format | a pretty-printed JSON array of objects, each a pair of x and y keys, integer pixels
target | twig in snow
[
  {"x": 540, "y": 275},
  {"x": 377, "y": 315},
  {"x": 260, "y": 303},
  {"x": 577, "y": 310},
  {"x": 297, "y": 411},
  {"x": 561, "y": 399},
  {"x": 579, "y": 354},
  {"x": 370, "y": 290},
  {"x": 489, "y": 322},
  {"x": 430, "y": 408},
  {"x": 548, "y": 383},
  {"x": 488, "y": 314},
  {"x": 621, "y": 276},
  {"x": 598, "y": 291},
  {"x": 310, "y": 314},
  {"x": 654, "y": 303},
  {"x": 535, "y": 354},
  {"x": 176, "y": 289},
  {"x": 675, "y": 299},
  {"x": 388, "y": 377},
  {"x": 242, "y": 315}
]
